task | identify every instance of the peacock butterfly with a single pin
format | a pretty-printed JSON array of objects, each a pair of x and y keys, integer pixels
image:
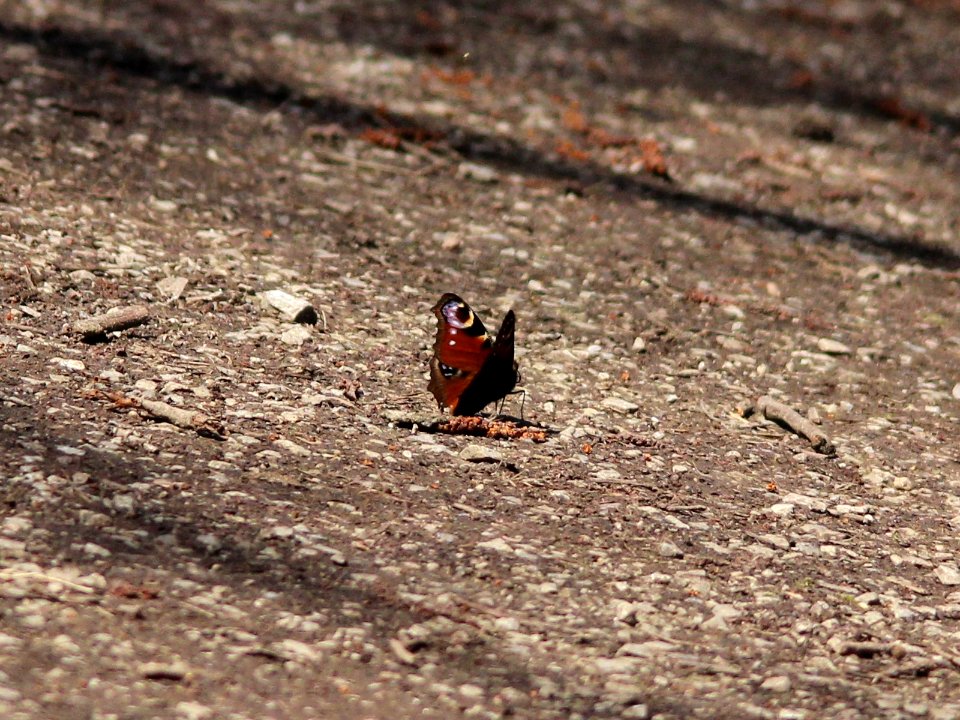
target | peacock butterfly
[{"x": 469, "y": 369}]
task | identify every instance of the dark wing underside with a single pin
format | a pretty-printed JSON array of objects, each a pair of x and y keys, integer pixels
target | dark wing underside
[{"x": 497, "y": 376}]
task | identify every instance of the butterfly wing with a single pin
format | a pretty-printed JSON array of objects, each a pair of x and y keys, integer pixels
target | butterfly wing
[
  {"x": 469, "y": 369},
  {"x": 461, "y": 348},
  {"x": 498, "y": 375}
]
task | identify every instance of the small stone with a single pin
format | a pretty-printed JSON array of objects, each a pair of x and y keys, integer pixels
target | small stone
[
  {"x": 620, "y": 405},
  {"x": 715, "y": 623},
  {"x": 297, "y": 650},
  {"x": 640, "y": 345},
  {"x": 616, "y": 666},
  {"x": 292, "y": 447},
  {"x": 625, "y": 612},
  {"x": 833, "y": 347},
  {"x": 473, "y": 692},
  {"x": 81, "y": 276},
  {"x": 497, "y": 544},
  {"x": 172, "y": 287},
  {"x": 190, "y": 710},
  {"x": 210, "y": 543},
  {"x": 648, "y": 649},
  {"x": 506, "y": 624},
  {"x": 956, "y": 391},
  {"x": 478, "y": 173},
  {"x": 15, "y": 525},
  {"x": 669, "y": 550},
  {"x": 297, "y": 335},
  {"x": 636, "y": 712},
  {"x": 782, "y": 509},
  {"x": 777, "y": 541},
  {"x": 480, "y": 454},
  {"x": 67, "y": 364},
  {"x": 163, "y": 206},
  {"x": 777, "y": 684},
  {"x": 95, "y": 550},
  {"x": 451, "y": 241},
  {"x": 948, "y": 574},
  {"x": 945, "y": 712}
]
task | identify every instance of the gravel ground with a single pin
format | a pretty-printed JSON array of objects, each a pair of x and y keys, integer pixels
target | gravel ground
[{"x": 218, "y": 512}]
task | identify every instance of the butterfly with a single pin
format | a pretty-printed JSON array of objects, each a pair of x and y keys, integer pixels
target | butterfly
[{"x": 469, "y": 368}]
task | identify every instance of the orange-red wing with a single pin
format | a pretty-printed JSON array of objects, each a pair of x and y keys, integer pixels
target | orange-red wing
[
  {"x": 461, "y": 348},
  {"x": 470, "y": 370}
]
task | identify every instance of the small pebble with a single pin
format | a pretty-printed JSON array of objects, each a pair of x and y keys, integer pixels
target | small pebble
[
  {"x": 480, "y": 454},
  {"x": 833, "y": 347},
  {"x": 669, "y": 550},
  {"x": 189, "y": 710},
  {"x": 297, "y": 335},
  {"x": 947, "y": 574},
  {"x": 620, "y": 405},
  {"x": 777, "y": 684}
]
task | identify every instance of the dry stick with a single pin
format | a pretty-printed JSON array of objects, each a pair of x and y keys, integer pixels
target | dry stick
[
  {"x": 293, "y": 308},
  {"x": 14, "y": 574},
  {"x": 868, "y": 649},
  {"x": 784, "y": 415},
  {"x": 96, "y": 328},
  {"x": 189, "y": 419}
]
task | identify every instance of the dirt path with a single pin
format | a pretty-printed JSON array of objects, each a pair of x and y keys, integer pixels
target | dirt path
[{"x": 688, "y": 205}]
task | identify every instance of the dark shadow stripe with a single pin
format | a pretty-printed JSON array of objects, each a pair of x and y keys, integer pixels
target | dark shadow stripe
[{"x": 124, "y": 55}]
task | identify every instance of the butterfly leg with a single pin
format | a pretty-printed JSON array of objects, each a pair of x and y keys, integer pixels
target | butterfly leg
[{"x": 523, "y": 397}]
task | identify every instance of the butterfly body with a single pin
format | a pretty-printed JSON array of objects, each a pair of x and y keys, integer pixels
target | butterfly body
[{"x": 470, "y": 369}]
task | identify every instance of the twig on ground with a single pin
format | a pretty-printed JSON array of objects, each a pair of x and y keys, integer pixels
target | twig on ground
[
  {"x": 293, "y": 308},
  {"x": 869, "y": 649},
  {"x": 792, "y": 420},
  {"x": 188, "y": 419},
  {"x": 95, "y": 329},
  {"x": 14, "y": 574},
  {"x": 341, "y": 159}
]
